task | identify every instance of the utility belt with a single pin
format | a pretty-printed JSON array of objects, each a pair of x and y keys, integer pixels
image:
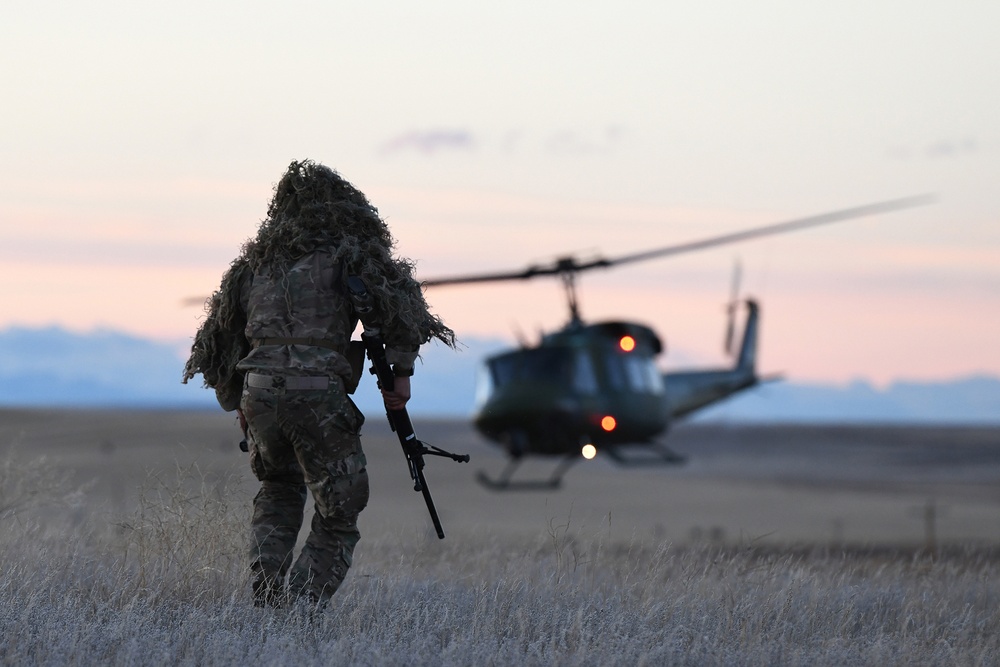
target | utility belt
[
  {"x": 288, "y": 382},
  {"x": 355, "y": 357}
]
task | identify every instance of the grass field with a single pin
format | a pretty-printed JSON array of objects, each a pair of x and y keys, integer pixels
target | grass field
[{"x": 124, "y": 536}]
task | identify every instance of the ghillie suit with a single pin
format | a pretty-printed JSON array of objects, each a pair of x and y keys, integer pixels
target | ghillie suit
[
  {"x": 275, "y": 344},
  {"x": 313, "y": 207}
]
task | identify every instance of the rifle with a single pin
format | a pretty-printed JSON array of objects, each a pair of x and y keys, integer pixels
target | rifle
[{"x": 399, "y": 420}]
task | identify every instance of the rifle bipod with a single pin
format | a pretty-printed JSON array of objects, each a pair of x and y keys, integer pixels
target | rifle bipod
[{"x": 415, "y": 450}]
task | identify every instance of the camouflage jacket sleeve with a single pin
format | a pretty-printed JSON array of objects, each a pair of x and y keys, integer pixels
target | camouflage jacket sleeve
[
  {"x": 402, "y": 343},
  {"x": 402, "y": 360},
  {"x": 401, "y": 347}
]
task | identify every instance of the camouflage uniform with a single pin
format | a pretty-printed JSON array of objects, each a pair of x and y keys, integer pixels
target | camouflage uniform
[
  {"x": 274, "y": 345},
  {"x": 303, "y": 428}
]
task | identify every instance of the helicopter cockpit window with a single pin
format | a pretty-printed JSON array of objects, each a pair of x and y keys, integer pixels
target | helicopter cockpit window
[
  {"x": 643, "y": 375},
  {"x": 632, "y": 373},
  {"x": 484, "y": 386},
  {"x": 635, "y": 368},
  {"x": 541, "y": 365},
  {"x": 584, "y": 378},
  {"x": 654, "y": 380},
  {"x": 615, "y": 370}
]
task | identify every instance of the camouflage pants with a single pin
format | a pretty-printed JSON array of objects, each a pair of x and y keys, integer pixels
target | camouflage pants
[{"x": 303, "y": 439}]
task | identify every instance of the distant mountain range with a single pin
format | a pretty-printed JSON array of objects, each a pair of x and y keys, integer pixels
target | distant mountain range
[{"x": 54, "y": 367}]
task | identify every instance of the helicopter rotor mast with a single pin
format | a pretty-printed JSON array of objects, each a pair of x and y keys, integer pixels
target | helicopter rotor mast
[{"x": 569, "y": 285}]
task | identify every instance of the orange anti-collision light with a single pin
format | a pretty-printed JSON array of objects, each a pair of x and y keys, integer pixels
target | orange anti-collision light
[
  {"x": 627, "y": 343},
  {"x": 608, "y": 423}
]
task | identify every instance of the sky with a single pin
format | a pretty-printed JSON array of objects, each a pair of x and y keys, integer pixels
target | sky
[{"x": 140, "y": 142}]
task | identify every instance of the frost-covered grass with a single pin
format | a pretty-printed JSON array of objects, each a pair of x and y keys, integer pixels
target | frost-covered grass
[{"x": 166, "y": 585}]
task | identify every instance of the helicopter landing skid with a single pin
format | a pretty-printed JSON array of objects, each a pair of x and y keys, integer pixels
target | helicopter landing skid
[
  {"x": 504, "y": 482},
  {"x": 662, "y": 455}
]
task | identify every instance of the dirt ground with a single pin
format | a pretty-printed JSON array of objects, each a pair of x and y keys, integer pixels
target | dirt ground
[{"x": 830, "y": 485}]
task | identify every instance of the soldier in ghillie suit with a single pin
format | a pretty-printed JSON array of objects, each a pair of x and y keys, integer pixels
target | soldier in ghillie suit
[{"x": 275, "y": 346}]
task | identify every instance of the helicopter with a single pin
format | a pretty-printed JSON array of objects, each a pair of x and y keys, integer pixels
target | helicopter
[{"x": 595, "y": 388}]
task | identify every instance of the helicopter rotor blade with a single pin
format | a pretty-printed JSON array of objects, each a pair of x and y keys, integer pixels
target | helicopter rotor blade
[
  {"x": 194, "y": 301},
  {"x": 568, "y": 265},
  {"x": 530, "y": 272},
  {"x": 779, "y": 228},
  {"x": 562, "y": 265}
]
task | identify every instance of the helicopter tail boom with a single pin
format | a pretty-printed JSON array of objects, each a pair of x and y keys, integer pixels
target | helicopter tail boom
[{"x": 690, "y": 391}]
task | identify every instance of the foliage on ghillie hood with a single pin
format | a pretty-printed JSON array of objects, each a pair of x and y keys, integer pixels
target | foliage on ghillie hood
[
  {"x": 220, "y": 342},
  {"x": 312, "y": 207}
]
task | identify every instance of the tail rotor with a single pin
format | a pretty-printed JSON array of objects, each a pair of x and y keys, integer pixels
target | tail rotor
[{"x": 732, "y": 306}]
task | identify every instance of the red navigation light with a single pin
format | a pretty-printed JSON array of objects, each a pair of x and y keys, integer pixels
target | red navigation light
[
  {"x": 608, "y": 423},
  {"x": 627, "y": 344}
]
